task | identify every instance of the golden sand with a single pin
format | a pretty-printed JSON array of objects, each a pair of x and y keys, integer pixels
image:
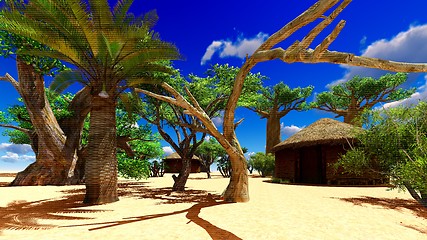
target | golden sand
[{"x": 148, "y": 210}]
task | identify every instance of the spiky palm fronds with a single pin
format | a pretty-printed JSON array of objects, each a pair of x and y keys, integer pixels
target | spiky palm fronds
[{"x": 106, "y": 46}]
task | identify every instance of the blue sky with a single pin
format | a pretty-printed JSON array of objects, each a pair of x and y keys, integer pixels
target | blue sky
[{"x": 224, "y": 31}]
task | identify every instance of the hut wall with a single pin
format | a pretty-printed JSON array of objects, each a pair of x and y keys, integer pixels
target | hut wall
[
  {"x": 285, "y": 164},
  {"x": 331, "y": 155},
  {"x": 175, "y": 165}
]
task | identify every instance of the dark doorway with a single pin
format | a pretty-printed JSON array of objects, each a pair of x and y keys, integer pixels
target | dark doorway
[{"x": 310, "y": 165}]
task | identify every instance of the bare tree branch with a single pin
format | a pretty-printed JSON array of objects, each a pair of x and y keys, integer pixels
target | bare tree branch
[
  {"x": 14, "y": 83},
  {"x": 24, "y": 130}
]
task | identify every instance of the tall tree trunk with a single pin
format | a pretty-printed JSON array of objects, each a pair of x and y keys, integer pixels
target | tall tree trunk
[
  {"x": 273, "y": 132},
  {"x": 101, "y": 162},
  {"x": 181, "y": 180},
  {"x": 237, "y": 190},
  {"x": 51, "y": 166}
]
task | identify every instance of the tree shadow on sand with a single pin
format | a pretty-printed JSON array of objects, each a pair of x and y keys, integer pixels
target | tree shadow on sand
[
  {"x": 21, "y": 215},
  {"x": 397, "y": 204},
  {"x": 203, "y": 199}
]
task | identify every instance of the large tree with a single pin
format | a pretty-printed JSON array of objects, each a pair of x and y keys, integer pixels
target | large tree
[
  {"x": 111, "y": 50},
  {"x": 351, "y": 98},
  {"x": 189, "y": 133},
  {"x": 395, "y": 145},
  {"x": 299, "y": 51},
  {"x": 136, "y": 143},
  {"x": 275, "y": 102}
]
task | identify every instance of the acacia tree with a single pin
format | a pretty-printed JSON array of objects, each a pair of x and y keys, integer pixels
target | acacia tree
[
  {"x": 111, "y": 50},
  {"x": 209, "y": 151},
  {"x": 189, "y": 131},
  {"x": 351, "y": 98},
  {"x": 395, "y": 145},
  {"x": 299, "y": 51},
  {"x": 273, "y": 103}
]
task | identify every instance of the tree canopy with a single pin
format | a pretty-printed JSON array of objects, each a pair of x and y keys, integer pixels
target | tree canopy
[
  {"x": 351, "y": 98},
  {"x": 395, "y": 142},
  {"x": 275, "y": 102}
]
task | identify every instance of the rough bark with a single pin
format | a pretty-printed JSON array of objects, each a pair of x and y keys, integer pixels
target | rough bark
[
  {"x": 273, "y": 132},
  {"x": 184, "y": 173},
  {"x": 51, "y": 166},
  {"x": 54, "y": 144},
  {"x": 101, "y": 163},
  {"x": 420, "y": 198},
  {"x": 238, "y": 189}
]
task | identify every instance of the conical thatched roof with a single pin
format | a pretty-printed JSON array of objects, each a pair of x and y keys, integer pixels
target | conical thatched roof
[
  {"x": 323, "y": 131},
  {"x": 175, "y": 155}
]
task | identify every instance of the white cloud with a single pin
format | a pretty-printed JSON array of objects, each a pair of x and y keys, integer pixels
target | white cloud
[
  {"x": 168, "y": 150},
  {"x": 407, "y": 46},
  {"x": 16, "y": 148},
  {"x": 14, "y": 157},
  {"x": 290, "y": 130},
  {"x": 219, "y": 120},
  {"x": 420, "y": 95},
  {"x": 239, "y": 48},
  {"x": 215, "y": 45}
]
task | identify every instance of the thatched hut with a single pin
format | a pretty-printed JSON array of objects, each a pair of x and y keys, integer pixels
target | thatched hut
[
  {"x": 307, "y": 156},
  {"x": 173, "y": 163}
]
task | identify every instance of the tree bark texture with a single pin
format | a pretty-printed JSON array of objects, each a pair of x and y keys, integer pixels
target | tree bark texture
[
  {"x": 101, "y": 163},
  {"x": 238, "y": 189},
  {"x": 273, "y": 132},
  {"x": 52, "y": 167},
  {"x": 181, "y": 180}
]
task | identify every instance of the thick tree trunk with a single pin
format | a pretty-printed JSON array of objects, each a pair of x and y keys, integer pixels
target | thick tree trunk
[
  {"x": 101, "y": 162},
  {"x": 181, "y": 180},
  {"x": 420, "y": 198},
  {"x": 51, "y": 166},
  {"x": 273, "y": 133},
  {"x": 237, "y": 190}
]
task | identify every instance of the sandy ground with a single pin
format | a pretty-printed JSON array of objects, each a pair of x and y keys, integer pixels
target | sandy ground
[{"x": 148, "y": 210}]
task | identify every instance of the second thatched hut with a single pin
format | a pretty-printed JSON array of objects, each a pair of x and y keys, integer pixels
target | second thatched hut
[
  {"x": 308, "y": 156},
  {"x": 173, "y": 163}
]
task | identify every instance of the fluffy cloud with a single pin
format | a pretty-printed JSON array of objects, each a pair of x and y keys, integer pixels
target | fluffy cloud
[
  {"x": 15, "y": 148},
  {"x": 168, "y": 150},
  {"x": 218, "y": 121},
  {"x": 289, "y": 130},
  {"x": 14, "y": 157},
  {"x": 239, "y": 48},
  {"x": 420, "y": 95},
  {"x": 407, "y": 46}
]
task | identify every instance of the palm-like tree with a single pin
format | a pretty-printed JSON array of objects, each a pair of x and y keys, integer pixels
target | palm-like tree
[{"x": 112, "y": 51}]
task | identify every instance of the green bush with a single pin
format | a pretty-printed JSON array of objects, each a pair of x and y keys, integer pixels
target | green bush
[
  {"x": 263, "y": 163},
  {"x": 133, "y": 168}
]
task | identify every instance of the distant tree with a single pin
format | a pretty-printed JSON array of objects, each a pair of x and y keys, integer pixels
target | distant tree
[
  {"x": 351, "y": 98},
  {"x": 263, "y": 163},
  {"x": 250, "y": 165},
  {"x": 157, "y": 168},
  {"x": 208, "y": 152},
  {"x": 394, "y": 144},
  {"x": 273, "y": 103}
]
